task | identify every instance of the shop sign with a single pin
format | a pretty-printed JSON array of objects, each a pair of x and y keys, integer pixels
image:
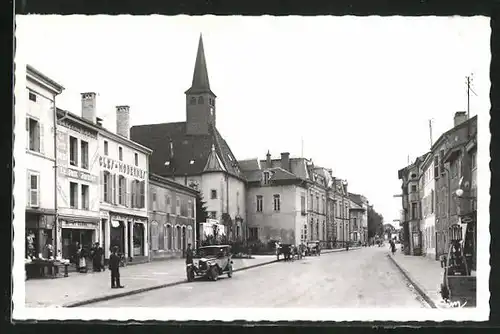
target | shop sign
[
  {"x": 76, "y": 174},
  {"x": 62, "y": 148},
  {"x": 113, "y": 165},
  {"x": 85, "y": 225}
]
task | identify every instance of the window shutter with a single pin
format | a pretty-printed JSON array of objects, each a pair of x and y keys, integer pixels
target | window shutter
[
  {"x": 27, "y": 133},
  {"x": 40, "y": 140},
  {"x": 143, "y": 195},
  {"x": 110, "y": 188},
  {"x": 125, "y": 193},
  {"x": 132, "y": 193},
  {"x": 102, "y": 187},
  {"x": 28, "y": 187},
  {"x": 115, "y": 192}
]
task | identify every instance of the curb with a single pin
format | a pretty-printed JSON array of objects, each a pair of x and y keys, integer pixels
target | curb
[
  {"x": 150, "y": 288},
  {"x": 413, "y": 282},
  {"x": 326, "y": 251}
]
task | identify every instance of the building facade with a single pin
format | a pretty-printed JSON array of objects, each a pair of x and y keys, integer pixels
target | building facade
[
  {"x": 276, "y": 201},
  {"x": 427, "y": 186},
  {"x": 341, "y": 210},
  {"x": 77, "y": 183},
  {"x": 195, "y": 154},
  {"x": 358, "y": 216},
  {"x": 172, "y": 217},
  {"x": 319, "y": 182},
  {"x": 40, "y": 163},
  {"x": 123, "y": 168}
]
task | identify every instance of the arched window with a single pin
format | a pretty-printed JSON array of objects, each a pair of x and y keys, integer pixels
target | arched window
[
  {"x": 168, "y": 236},
  {"x": 192, "y": 100},
  {"x": 200, "y": 100},
  {"x": 190, "y": 235},
  {"x": 155, "y": 235},
  {"x": 178, "y": 237}
]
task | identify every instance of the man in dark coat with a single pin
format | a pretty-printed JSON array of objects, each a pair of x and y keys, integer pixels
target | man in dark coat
[
  {"x": 114, "y": 267},
  {"x": 189, "y": 255},
  {"x": 97, "y": 257}
]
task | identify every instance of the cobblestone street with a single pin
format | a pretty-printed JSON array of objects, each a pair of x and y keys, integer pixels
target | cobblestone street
[{"x": 358, "y": 278}]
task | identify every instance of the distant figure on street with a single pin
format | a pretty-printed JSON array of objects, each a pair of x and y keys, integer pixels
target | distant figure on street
[
  {"x": 392, "y": 244},
  {"x": 96, "y": 254},
  {"x": 189, "y": 255},
  {"x": 82, "y": 262},
  {"x": 347, "y": 245},
  {"x": 114, "y": 267}
]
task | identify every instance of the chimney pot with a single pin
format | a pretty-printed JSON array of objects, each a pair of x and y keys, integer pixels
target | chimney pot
[
  {"x": 89, "y": 106},
  {"x": 459, "y": 118},
  {"x": 123, "y": 121},
  {"x": 285, "y": 161}
]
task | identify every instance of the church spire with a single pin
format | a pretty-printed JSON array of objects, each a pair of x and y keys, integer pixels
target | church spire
[{"x": 200, "y": 82}]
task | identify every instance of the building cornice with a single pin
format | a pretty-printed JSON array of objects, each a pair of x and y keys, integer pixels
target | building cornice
[
  {"x": 162, "y": 181},
  {"x": 37, "y": 76}
]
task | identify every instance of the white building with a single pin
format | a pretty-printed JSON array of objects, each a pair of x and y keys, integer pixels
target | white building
[
  {"x": 39, "y": 165},
  {"x": 427, "y": 185}
]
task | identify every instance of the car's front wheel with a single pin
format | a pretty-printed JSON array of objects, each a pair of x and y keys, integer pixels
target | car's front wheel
[
  {"x": 214, "y": 273},
  {"x": 190, "y": 275}
]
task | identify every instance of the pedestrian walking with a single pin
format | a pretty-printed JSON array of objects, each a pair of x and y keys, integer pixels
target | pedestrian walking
[
  {"x": 114, "y": 267},
  {"x": 393, "y": 246}
]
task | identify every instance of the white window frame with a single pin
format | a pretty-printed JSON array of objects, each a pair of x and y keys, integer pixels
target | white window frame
[
  {"x": 277, "y": 208},
  {"x": 177, "y": 206},
  {"x": 31, "y": 191},
  {"x": 77, "y": 197},
  {"x": 190, "y": 209},
  {"x": 213, "y": 193},
  {"x": 260, "y": 203},
  {"x": 36, "y": 149},
  {"x": 73, "y": 163},
  {"x": 87, "y": 199},
  {"x": 82, "y": 155}
]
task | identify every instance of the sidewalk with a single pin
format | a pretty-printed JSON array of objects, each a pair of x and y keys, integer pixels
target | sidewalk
[
  {"x": 424, "y": 273},
  {"x": 81, "y": 288}
]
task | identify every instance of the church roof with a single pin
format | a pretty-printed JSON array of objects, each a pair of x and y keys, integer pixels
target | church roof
[
  {"x": 214, "y": 163},
  {"x": 200, "y": 83},
  {"x": 191, "y": 153}
]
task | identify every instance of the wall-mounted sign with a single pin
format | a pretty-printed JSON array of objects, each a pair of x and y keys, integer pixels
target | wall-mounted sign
[
  {"x": 76, "y": 174},
  {"x": 113, "y": 165},
  {"x": 62, "y": 148},
  {"x": 76, "y": 128},
  {"x": 115, "y": 223},
  {"x": 84, "y": 225}
]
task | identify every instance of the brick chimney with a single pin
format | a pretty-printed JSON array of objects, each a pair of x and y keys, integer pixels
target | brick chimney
[
  {"x": 89, "y": 106},
  {"x": 460, "y": 117},
  {"x": 123, "y": 121},
  {"x": 285, "y": 161},
  {"x": 268, "y": 160}
]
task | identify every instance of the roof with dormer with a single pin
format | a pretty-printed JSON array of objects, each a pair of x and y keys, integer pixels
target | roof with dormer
[{"x": 188, "y": 155}]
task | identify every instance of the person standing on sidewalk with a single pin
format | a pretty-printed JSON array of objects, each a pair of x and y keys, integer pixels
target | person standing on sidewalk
[
  {"x": 189, "y": 255},
  {"x": 392, "y": 244},
  {"x": 114, "y": 267}
]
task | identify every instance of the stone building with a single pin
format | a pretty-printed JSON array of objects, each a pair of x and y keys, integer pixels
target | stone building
[
  {"x": 38, "y": 101},
  {"x": 172, "y": 217},
  {"x": 341, "y": 210},
  {"x": 276, "y": 199},
  {"x": 77, "y": 183},
  {"x": 195, "y": 154},
  {"x": 358, "y": 216}
]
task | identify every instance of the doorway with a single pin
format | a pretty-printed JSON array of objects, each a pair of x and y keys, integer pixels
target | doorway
[
  {"x": 117, "y": 236},
  {"x": 71, "y": 236}
]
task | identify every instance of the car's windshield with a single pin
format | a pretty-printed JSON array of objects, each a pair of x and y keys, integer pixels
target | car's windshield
[{"x": 209, "y": 251}]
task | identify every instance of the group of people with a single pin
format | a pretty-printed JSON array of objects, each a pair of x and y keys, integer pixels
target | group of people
[{"x": 80, "y": 255}]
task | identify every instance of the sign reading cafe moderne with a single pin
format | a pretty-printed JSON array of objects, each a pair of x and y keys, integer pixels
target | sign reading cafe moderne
[{"x": 111, "y": 164}]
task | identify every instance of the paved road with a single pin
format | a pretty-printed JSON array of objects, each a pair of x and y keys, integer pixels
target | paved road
[{"x": 359, "y": 278}]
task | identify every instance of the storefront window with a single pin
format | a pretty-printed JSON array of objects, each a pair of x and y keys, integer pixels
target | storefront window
[
  {"x": 138, "y": 239},
  {"x": 155, "y": 235}
]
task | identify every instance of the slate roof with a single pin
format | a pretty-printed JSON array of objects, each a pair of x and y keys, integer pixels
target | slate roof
[
  {"x": 276, "y": 174},
  {"x": 297, "y": 166},
  {"x": 249, "y": 164},
  {"x": 356, "y": 199},
  {"x": 190, "y": 152},
  {"x": 200, "y": 83}
]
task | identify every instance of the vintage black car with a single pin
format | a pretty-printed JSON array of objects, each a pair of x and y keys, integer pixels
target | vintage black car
[
  {"x": 313, "y": 248},
  {"x": 210, "y": 262}
]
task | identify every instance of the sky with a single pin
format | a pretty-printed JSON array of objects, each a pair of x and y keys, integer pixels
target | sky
[{"x": 357, "y": 92}]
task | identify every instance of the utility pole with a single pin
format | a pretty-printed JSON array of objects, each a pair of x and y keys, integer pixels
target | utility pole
[{"x": 469, "y": 79}]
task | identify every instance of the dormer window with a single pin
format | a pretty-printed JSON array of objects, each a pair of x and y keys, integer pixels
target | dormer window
[
  {"x": 266, "y": 177},
  {"x": 200, "y": 100},
  {"x": 191, "y": 162},
  {"x": 192, "y": 100}
]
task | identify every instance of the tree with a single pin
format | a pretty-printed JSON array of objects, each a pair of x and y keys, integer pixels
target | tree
[
  {"x": 201, "y": 212},
  {"x": 375, "y": 223}
]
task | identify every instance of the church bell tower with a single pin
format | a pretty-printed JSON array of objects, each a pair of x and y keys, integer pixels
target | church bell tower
[{"x": 200, "y": 100}]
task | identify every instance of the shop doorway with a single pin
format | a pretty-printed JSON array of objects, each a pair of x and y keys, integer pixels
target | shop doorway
[
  {"x": 71, "y": 236},
  {"x": 138, "y": 239},
  {"x": 117, "y": 236}
]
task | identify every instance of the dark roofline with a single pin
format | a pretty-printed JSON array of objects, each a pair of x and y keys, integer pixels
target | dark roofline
[
  {"x": 103, "y": 131},
  {"x": 56, "y": 87},
  {"x": 459, "y": 126},
  {"x": 155, "y": 178}
]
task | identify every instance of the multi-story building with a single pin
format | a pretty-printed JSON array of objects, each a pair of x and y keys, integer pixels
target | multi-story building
[
  {"x": 447, "y": 154},
  {"x": 172, "y": 217},
  {"x": 276, "y": 199},
  {"x": 77, "y": 183},
  {"x": 319, "y": 181},
  {"x": 195, "y": 154},
  {"x": 358, "y": 215},
  {"x": 427, "y": 186},
  {"x": 39, "y": 117},
  {"x": 123, "y": 174},
  {"x": 341, "y": 210}
]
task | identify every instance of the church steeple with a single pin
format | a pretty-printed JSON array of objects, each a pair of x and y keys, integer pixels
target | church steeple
[{"x": 200, "y": 100}]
